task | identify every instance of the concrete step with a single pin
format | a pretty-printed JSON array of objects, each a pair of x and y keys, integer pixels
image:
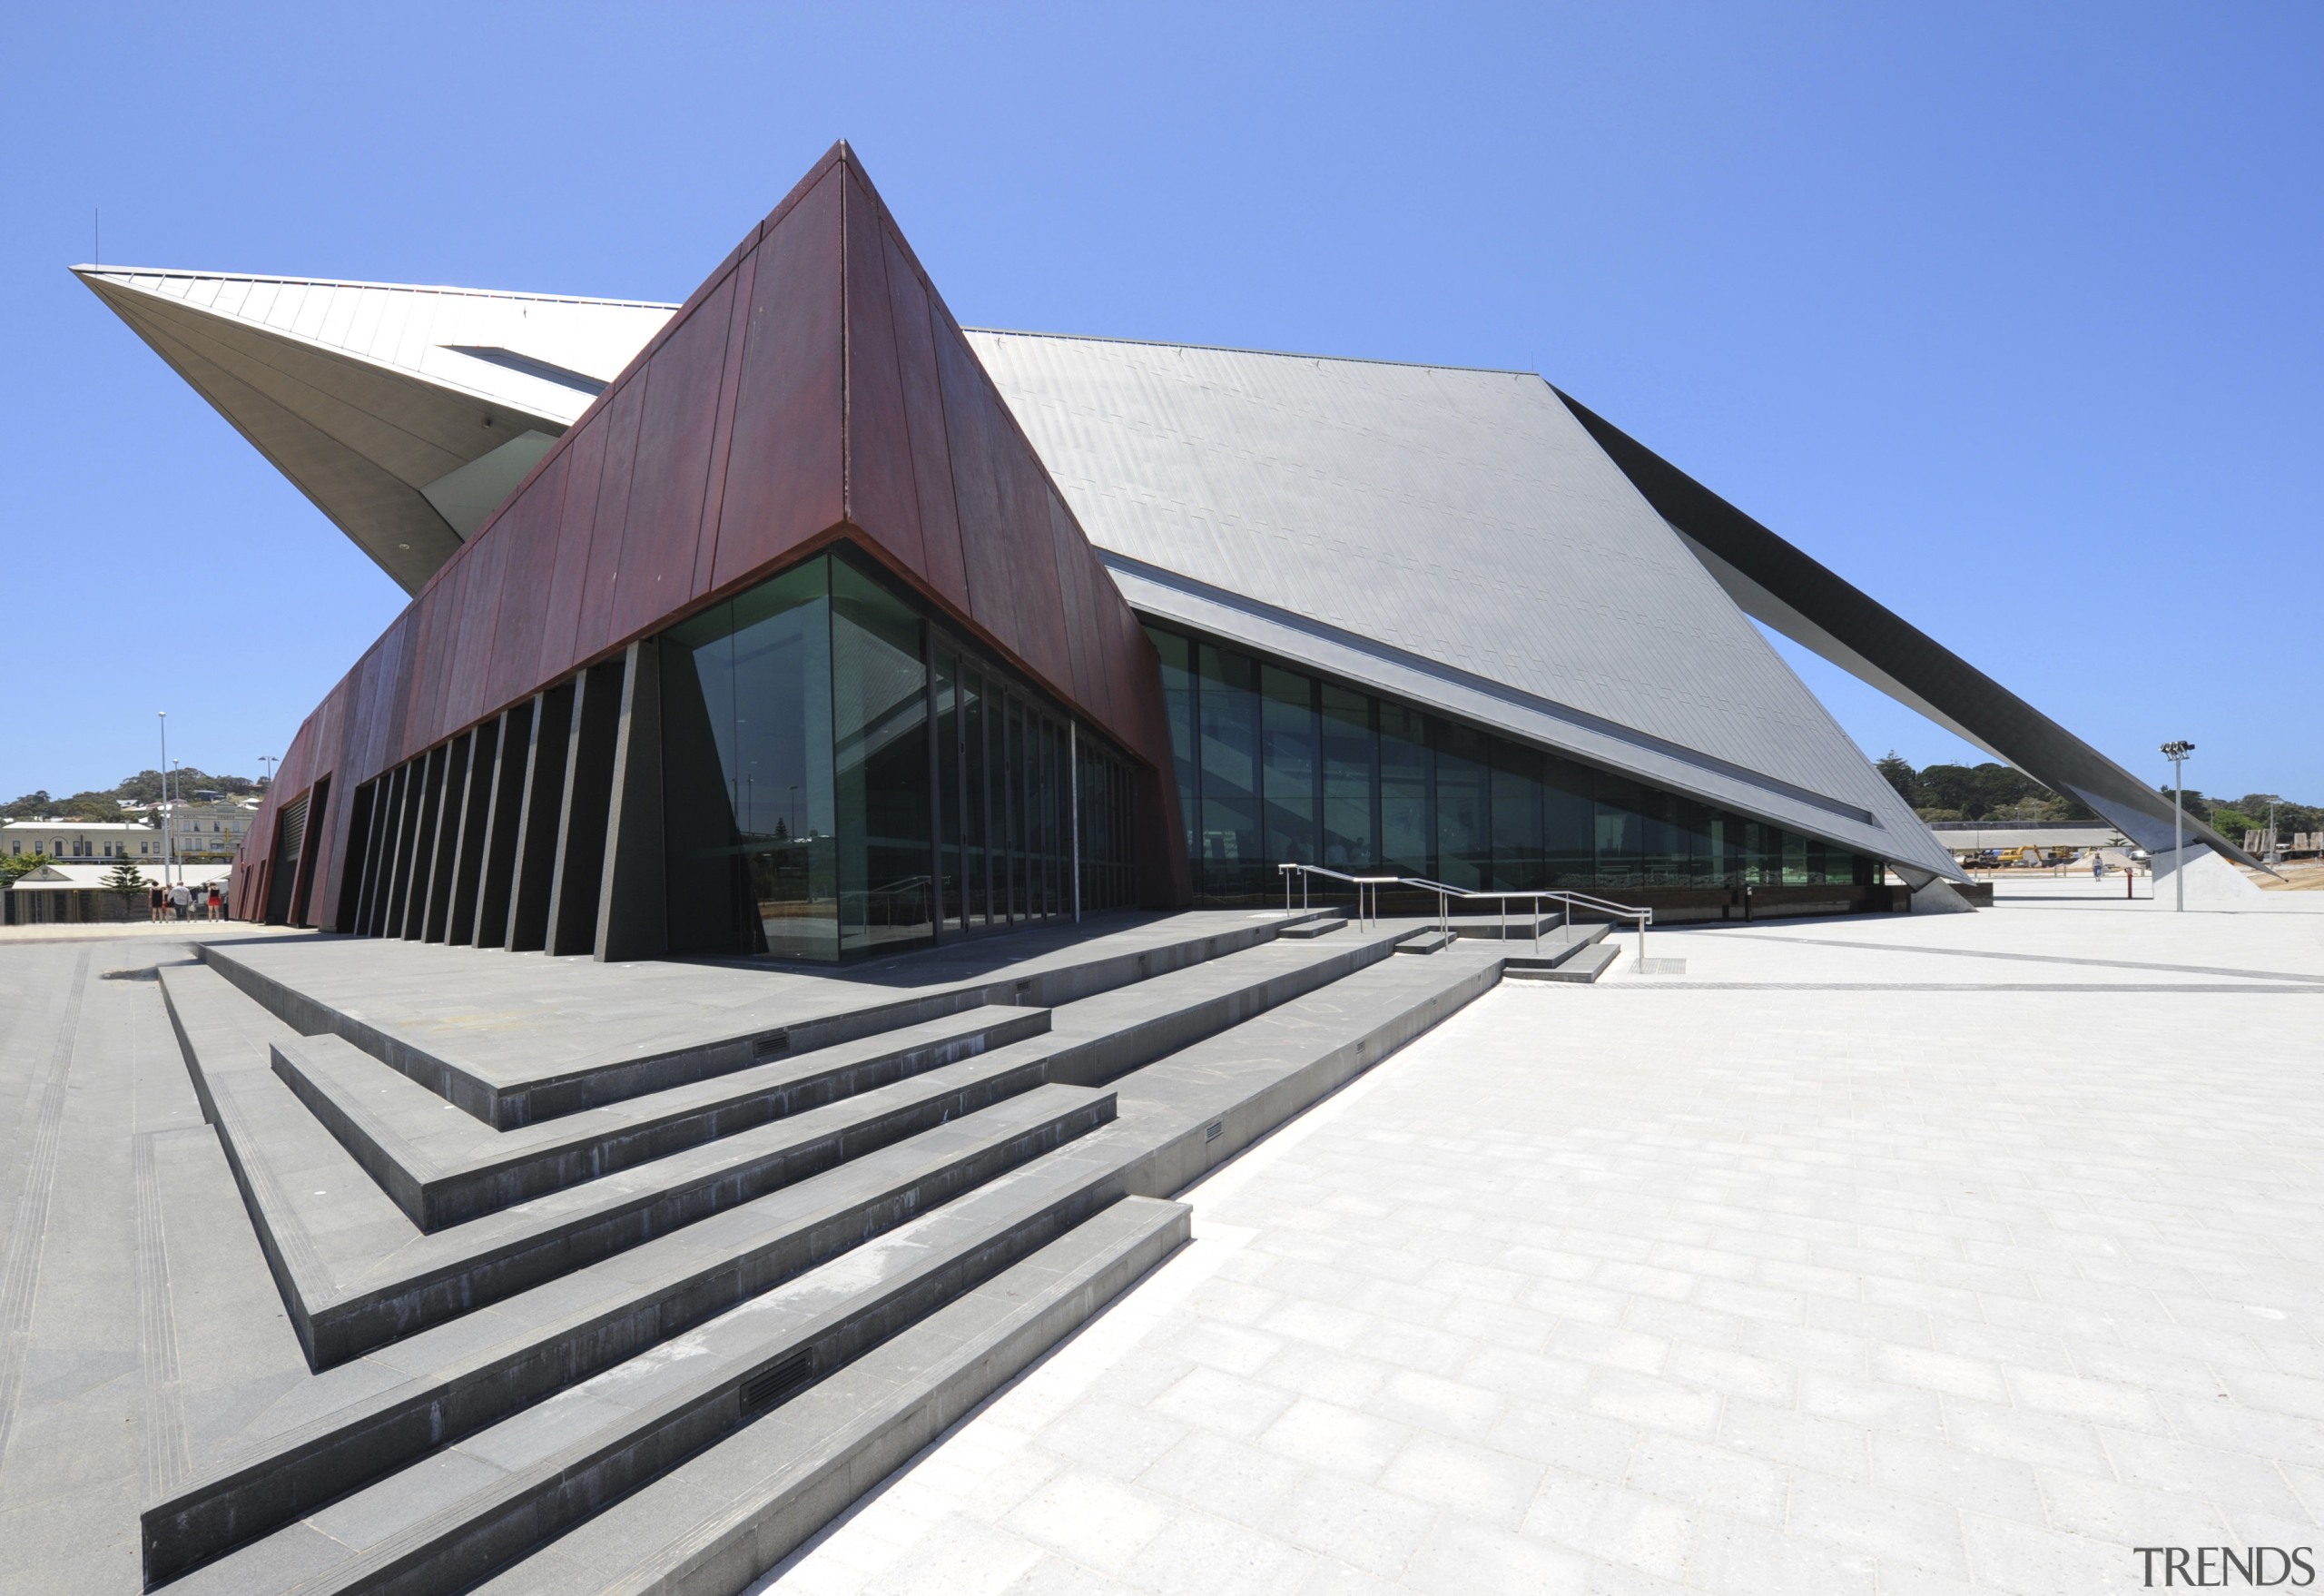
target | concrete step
[
  {"x": 842, "y": 1245},
  {"x": 579, "y": 1384},
  {"x": 475, "y": 1507},
  {"x": 1182, "y": 1117},
  {"x": 1582, "y": 964},
  {"x": 442, "y": 1167},
  {"x": 716, "y": 1521},
  {"x": 1556, "y": 945},
  {"x": 1101, "y": 1039},
  {"x": 1549, "y": 938},
  {"x": 514, "y": 1038},
  {"x": 1430, "y": 940},
  {"x": 356, "y": 1275},
  {"x": 1307, "y": 930}
]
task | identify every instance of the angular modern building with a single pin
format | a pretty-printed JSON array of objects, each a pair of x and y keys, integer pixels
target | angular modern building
[{"x": 798, "y": 621}]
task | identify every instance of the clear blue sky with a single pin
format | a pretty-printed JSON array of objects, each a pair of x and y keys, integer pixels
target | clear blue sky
[{"x": 2007, "y": 313}]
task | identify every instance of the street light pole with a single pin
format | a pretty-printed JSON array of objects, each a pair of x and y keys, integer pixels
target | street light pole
[
  {"x": 2176, "y": 752},
  {"x": 169, "y": 845}
]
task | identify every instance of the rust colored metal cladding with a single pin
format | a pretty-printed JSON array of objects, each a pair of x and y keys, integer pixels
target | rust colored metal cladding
[{"x": 815, "y": 387}]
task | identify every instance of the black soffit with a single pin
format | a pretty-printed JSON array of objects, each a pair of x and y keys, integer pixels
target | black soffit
[{"x": 1809, "y": 603}]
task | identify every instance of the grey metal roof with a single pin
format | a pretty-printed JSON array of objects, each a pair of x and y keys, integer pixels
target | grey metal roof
[{"x": 1448, "y": 535}]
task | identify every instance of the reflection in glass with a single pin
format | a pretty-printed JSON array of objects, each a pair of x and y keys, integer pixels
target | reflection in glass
[
  {"x": 979, "y": 853},
  {"x": 1234, "y": 863},
  {"x": 879, "y": 698},
  {"x": 1464, "y": 846},
  {"x": 1403, "y": 790},
  {"x": 1287, "y": 749},
  {"x": 948, "y": 787},
  {"x": 1348, "y": 780},
  {"x": 1516, "y": 817},
  {"x": 748, "y": 803}
]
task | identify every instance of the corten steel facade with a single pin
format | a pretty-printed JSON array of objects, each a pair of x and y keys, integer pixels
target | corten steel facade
[
  {"x": 489, "y": 771},
  {"x": 819, "y": 627}
]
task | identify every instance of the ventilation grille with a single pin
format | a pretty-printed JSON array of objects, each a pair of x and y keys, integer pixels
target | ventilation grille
[
  {"x": 779, "y": 1381},
  {"x": 294, "y": 828},
  {"x": 772, "y": 1045}
]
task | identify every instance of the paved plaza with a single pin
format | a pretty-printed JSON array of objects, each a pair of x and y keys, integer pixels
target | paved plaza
[
  {"x": 1873, "y": 1254},
  {"x": 1922, "y": 1255}
]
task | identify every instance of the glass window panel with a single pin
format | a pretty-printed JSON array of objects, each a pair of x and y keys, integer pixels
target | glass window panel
[
  {"x": 1405, "y": 830},
  {"x": 1350, "y": 777},
  {"x": 1463, "y": 835},
  {"x": 1795, "y": 860},
  {"x": 747, "y": 777},
  {"x": 975, "y": 805},
  {"x": 947, "y": 788},
  {"x": 881, "y": 753},
  {"x": 1621, "y": 831},
  {"x": 1013, "y": 758},
  {"x": 1569, "y": 823},
  {"x": 1179, "y": 708},
  {"x": 1517, "y": 806},
  {"x": 1227, "y": 705},
  {"x": 1676, "y": 845},
  {"x": 1288, "y": 768}
]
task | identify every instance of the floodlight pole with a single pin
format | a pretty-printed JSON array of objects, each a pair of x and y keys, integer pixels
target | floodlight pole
[
  {"x": 169, "y": 845},
  {"x": 2176, "y": 752}
]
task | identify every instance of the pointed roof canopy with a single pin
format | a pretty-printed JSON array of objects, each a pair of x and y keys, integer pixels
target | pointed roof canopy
[
  {"x": 406, "y": 414},
  {"x": 813, "y": 389}
]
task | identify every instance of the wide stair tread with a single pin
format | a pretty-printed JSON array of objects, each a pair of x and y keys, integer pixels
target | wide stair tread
[
  {"x": 863, "y": 1236},
  {"x": 529, "y": 1059},
  {"x": 443, "y": 1168},
  {"x": 577, "y": 1404}
]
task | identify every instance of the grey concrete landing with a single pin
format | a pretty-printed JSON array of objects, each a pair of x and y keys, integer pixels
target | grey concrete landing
[{"x": 516, "y": 1037}]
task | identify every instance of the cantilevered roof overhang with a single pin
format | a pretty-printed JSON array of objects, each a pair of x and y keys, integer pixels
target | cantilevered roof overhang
[
  {"x": 1782, "y": 586},
  {"x": 406, "y": 414}
]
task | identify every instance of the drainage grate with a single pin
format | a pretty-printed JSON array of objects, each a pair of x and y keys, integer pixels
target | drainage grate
[
  {"x": 1215, "y": 1126},
  {"x": 779, "y": 1380},
  {"x": 1024, "y": 990},
  {"x": 772, "y": 1045}
]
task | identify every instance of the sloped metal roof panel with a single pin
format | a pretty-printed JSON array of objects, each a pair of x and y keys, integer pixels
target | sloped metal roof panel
[{"x": 1459, "y": 530}]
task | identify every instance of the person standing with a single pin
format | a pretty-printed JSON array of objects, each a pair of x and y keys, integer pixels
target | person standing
[
  {"x": 214, "y": 901},
  {"x": 180, "y": 901}
]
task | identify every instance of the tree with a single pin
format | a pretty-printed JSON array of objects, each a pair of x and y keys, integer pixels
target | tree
[
  {"x": 125, "y": 879},
  {"x": 1901, "y": 775},
  {"x": 14, "y": 866}
]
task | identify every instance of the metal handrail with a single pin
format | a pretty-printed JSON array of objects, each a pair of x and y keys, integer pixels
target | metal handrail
[{"x": 1445, "y": 893}]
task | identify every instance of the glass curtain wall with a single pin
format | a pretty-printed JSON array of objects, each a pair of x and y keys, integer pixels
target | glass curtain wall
[
  {"x": 1275, "y": 766},
  {"x": 843, "y": 779}
]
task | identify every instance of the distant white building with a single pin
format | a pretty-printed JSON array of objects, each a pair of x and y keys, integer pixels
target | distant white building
[
  {"x": 69, "y": 894},
  {"x": 213, "y": 829},
  {"x": 79, "y": 841}
]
